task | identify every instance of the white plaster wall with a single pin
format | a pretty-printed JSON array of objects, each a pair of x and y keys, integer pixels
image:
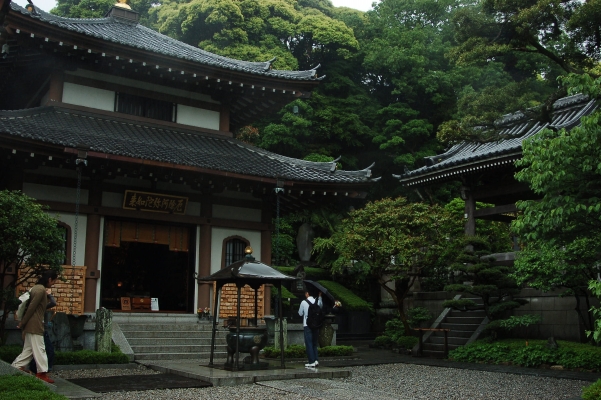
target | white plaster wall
[
  {"x": 88, "y": 97},
  {"x": 237, "y": 213},
  {"x": 143, "y": 85},
  {"x": 54, "y": 193},
  {"x": 219, "y": 234},
  {"x": 82, "y": 223},
  {"x": 199, "y": 117}
]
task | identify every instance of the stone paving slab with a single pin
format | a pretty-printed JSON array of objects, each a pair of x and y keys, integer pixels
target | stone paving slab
[
  {"x": 72, "y": 390},
  {"x": 139, "y": 382},
  {"x": 327, "y": 389},
  {"x": 220, "y": 377}
]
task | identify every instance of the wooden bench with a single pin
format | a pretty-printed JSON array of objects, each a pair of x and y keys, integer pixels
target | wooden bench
[{"x": 420, "y": 347}]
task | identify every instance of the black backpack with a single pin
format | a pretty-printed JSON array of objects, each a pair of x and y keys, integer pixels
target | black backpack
[{"x": 315, "y": 317}]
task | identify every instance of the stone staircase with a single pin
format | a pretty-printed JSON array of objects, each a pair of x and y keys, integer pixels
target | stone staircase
[
  {"x": 464, "y": 326},
  {"x": 156, "y": 337}
]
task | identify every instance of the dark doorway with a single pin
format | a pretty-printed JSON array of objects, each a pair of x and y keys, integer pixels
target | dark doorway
[{"x": 147, "y": 270}]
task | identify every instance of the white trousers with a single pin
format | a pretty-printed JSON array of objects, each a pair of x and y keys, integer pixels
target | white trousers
[{"x": 35, "y": 348}]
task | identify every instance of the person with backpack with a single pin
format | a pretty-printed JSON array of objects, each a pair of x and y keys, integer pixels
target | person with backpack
[
  {"x": 311, "y": 311},
  {"x": 32, "y": 325}
]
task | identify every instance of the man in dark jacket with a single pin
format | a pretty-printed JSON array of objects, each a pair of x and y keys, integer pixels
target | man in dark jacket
[{"x": 32, "y": 325}]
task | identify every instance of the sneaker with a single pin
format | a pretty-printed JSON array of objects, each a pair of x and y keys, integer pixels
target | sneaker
[
  {"x": 310, "y": 365},
  {"x": 44, "y": 376},
  {"x": 316, "y": 363}
]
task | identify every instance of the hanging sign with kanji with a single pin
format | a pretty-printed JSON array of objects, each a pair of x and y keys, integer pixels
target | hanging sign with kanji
[{"x": 144, "y": 201}]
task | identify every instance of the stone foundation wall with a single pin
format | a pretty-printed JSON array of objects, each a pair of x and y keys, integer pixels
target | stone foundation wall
[{"x": 558, "y": 316}]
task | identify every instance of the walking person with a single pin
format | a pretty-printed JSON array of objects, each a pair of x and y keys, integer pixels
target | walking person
[
  {"x": 47, "y": 342},
  {"x": 311, "y": 333},
  {"x": 32, "y": 325}
]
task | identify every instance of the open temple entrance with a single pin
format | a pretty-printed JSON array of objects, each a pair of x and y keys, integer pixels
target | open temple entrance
[{"x": 147, "y": 261}]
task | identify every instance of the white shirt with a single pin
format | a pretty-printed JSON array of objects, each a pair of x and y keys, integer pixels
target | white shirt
[{"x": 303, "y": 310}]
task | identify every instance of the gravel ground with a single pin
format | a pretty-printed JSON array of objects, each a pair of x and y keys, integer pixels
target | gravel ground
[{"x": 401, "y": 381}]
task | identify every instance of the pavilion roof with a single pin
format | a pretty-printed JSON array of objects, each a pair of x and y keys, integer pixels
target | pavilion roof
[
  {"x": 131, "y": 34},
  {"x": 172, "y": 145},
  {"x": 470, "y": 157}
]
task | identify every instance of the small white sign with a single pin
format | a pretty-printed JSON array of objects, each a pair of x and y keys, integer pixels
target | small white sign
[{"x": 154, "y": 304}]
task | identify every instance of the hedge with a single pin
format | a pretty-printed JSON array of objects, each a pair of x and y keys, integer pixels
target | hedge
[
  {"x": 9, "y": 353},
  {"x": 298, "y": 351},
  {"x": 349, "y": 300}
]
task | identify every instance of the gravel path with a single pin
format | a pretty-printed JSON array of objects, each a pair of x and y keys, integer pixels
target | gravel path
[{"x": 394, "y": 381}]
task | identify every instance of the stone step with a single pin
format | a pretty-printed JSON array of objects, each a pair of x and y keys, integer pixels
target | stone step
[
  {"x": 174, "y": 341},
  {"x": 199, "y": 348},
  {"x": 170, "y": 334},
  {"x": 451, "y": 340},
  {"x": 453, "y": 333},
  {"x": 459, "y": 327},
  {"x": 463, "y": 320},
  {"x": 188, "y": 327},
  {"x": 470, "y": 313},
  {"x": 180, "y": 356}
]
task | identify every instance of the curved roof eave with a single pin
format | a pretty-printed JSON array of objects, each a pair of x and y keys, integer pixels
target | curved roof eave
[{"x": 136, "y": 36}]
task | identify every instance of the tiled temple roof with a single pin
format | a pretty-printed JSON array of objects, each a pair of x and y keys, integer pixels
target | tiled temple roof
[
  {"x": 467, "y": 157},
  {"x": 127, "y": 33},
  {"x": 64, "y": 127}
]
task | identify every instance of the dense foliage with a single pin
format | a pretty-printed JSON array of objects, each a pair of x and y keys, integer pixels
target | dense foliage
[
  {"x": 298, "y": 351},
  {"x": 30, "y": 240},
  {"x": 562, "y": 230},
  {"x": 8, "y": 353},
  {"x": 592, "y": 392},
  {"x": 476, "y": 275},
  {"x": 568, "y": 354},
  {"x": 19, "y": 387},
  {"x": 391, "y": 241}
]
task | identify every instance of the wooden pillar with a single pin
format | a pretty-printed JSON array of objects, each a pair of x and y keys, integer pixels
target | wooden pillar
[
  {"x": 470, "y": 209},
  {"x": 266, "y": 216},
  {"x": 55, "y": 93},
  {"x": 224, "y": 118},
  {"x": 204, "y": 253},
  {"x": 92, "y": 246}
]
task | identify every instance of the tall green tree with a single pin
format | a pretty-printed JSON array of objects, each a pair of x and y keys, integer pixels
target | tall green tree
[
  {"x": 392, "y": 241},
  {"x": 516, "y": 50},
  {"x": 406, "y": 70},
  {"x": 30, "y": 242},
  {"x": 562, "y": 231},
  {"x": 477, "y": 275}
]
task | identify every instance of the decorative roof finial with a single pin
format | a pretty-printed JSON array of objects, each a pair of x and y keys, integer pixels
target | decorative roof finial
[{"x": 122, "y": 4}]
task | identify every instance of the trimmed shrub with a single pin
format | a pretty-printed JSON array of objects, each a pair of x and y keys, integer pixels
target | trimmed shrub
[
  {"x": 20, "y": 387},
  {"x": 592, "y": 392},
  {"x": 569, "y": 354},
  {"x": 298, "y": 351},
  {"x": 9, "y": 353},
  {"x": 407, "y": 342},
  {"x": 312, "y": 273},
  {"x": 350, "y": 301}
]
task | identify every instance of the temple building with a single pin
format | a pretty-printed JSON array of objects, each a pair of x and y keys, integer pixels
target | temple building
[
  {"x": 486, "y": 170},
  {"x": 126, "y": 135}
]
